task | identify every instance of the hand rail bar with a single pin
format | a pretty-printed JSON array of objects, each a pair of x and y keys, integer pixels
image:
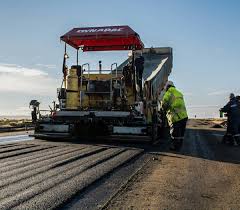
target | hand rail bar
[{"x": 88, "y": 66}]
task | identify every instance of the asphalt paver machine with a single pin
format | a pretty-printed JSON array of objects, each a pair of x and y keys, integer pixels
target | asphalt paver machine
[{"x": 121, "y": 102}]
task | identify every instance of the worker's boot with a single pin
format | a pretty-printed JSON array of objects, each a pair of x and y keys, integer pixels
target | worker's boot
[{"x": 176, "y": 144}]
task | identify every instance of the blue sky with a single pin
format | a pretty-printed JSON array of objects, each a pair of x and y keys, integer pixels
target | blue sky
[{"x": 204, "y": 36}]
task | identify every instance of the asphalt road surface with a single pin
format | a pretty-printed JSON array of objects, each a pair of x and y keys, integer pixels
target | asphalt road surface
[{"x": 38, "y": 174}]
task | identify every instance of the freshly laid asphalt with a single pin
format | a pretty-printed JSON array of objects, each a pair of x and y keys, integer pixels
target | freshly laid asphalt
[{"x": 44, "y": 175}]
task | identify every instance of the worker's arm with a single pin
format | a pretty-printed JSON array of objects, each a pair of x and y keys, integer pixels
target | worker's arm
[
  {"x": 166, "y": 101},
  {"x": 225, "y": 108}
]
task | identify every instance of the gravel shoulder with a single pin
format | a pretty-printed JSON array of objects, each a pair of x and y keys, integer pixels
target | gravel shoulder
[{"x": 204, "y": 175}]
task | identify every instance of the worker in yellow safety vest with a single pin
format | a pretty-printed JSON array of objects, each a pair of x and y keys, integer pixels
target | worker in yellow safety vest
[{"x": 174, "y": 107}]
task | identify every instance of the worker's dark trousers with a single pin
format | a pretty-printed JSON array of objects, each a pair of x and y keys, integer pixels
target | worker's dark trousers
[
  {"x": 235, "y": 130},
  {"x": 177, "y": 131},
  {"x": 228, "y": 137}
]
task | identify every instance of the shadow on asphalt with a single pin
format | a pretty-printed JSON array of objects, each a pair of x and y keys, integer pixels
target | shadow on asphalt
[
  {"x": 206, "y": 144},
  {"x": 198, "y": 143}
]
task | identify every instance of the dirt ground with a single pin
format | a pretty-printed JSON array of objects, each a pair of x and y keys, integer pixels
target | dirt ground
[
  {"x": 204, "y": 175},
  {"x": 5, "y": 122},
  {"x": 206, "y": 123}
]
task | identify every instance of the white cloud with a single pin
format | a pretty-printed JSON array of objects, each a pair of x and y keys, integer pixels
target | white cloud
[
  {"x": 49, "y": 66},
  {"x": 22, "y": 109},
  {"x": 225, "y": 92},
  {"x": 17, "y": 79},
  {"x": 188, "y": 93},
  {"x": 202, "y": 106},
  {"x": 7, "y": 64},
  {"x": 218, "y": 92}
]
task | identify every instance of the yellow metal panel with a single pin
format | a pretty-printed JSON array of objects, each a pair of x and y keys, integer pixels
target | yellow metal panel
[
  {"x": 72, "y": 101},
  {"x": 72, "y": 80},
  {"x": 98, "y": 76}
]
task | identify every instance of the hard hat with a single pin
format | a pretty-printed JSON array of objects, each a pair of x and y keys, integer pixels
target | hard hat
[
  {"x": 168, "y": 83},
  {"x": 231, "y": 95}
]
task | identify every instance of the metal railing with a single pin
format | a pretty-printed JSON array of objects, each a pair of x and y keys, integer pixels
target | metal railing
[
  {"x": 111, "y": 88},
  {"x": 81, "y": 80}
]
